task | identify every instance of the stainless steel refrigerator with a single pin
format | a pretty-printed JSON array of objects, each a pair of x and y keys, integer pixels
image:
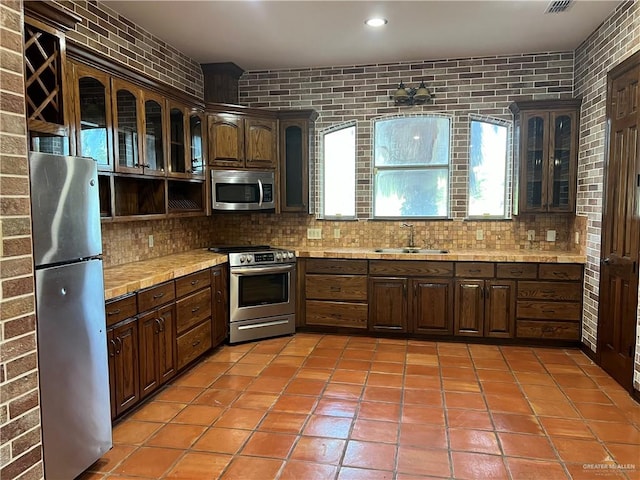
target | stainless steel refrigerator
[{"x": 72, "y": 344}]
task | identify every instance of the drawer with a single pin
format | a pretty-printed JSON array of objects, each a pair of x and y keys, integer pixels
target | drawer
[
  {"x": 339, "y": 267},
  {"x": 556, "y": 330},
  {"x": 156, "y": 296},
  {"x": 120, "y": 309},
  {"x": 337, "y": 314},
  {"x": 407, "y": 268},
  {"x": 336, "y": 287},
  {"x": 475, "y": 270},
  {"x": 193, "y": 309},
  {"x": 550, "y": 291},
  {"x": 554, "y": 271},
  {"x": 194, "y": 343},
  {"x": 517, "y": 270},
  {"x": 191, "y": 283},
  {"x": 549, "y": 310}
]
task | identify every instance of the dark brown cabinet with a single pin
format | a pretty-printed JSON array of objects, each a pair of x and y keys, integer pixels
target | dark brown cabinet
[
  {"x": 388, "y": 304},
  {"x": 193, "y": 316},
  {"x": 157, "y": 348},
  {"x": 432, "y": 306},
  {"x": 296, "y": 130},
  {"x": 123, "y": 366},
  {"x": 547, "y": 155},
  {"x": 220, "y": 306},
  {"x": 238, "y": 141}
]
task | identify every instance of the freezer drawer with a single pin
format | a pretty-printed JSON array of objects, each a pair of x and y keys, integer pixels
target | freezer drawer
[{"x": 74, "y": 372}]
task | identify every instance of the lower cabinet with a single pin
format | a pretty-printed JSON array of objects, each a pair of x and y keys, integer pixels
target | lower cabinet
[
  {"x": 485, "y": 308},
  {"x": 432, "y": 306},
  {"x": 157, "y": 348},
  {"x": 123, "y": 366},
  {"x": 220, "y": 304},
  {"x": 388, "y": 304}
]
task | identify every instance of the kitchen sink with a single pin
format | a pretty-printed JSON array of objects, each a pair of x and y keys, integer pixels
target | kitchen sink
[{"x": 425, "y": 251}]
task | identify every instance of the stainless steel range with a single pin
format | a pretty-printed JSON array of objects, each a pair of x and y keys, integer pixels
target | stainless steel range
[{"x": 262, "y": 292}]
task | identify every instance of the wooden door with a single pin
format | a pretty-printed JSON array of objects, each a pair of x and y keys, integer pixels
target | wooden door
[
  {"x": 387, "y": 304},
  {"x": 261, "y": 143},
  {"x": 149, "y": 326},
  {"x": 220, "y": 307},
  {"x": 166, "y": 343},
  {"x": 226, "y": 140},
  {"x": 617, "y": 314},
  {"x": 469, "y": 308},
  {"x": 500, "y": 308},
  {"x": 432, "y": 306},
  {"x": 127, "y": 383}
]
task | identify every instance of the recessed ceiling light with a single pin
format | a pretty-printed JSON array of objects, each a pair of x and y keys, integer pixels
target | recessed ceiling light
[{"x": 376, "y": 22}]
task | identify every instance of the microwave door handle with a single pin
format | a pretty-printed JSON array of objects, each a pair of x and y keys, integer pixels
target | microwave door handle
[
  {"x": 261, "y": 192},
  {"x": 258, "y": 270}
]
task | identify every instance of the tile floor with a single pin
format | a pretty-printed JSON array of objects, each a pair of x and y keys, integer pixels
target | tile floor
[{"x": 338, "y": 407}]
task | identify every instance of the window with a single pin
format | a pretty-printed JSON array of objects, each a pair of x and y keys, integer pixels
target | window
[
  {"x": 339, "y": 177},
  {"x": 411, "y": 167},
  {"x": 487, "y": 169}
]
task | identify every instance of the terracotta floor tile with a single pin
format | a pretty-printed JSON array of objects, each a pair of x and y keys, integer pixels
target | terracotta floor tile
[
  {"x": 573, "y": 450},
  {"x": 384, "y": 380},
  {"x": 419, "y": 414},
  {"x": 266, "y": 384},
  {"x": 606, "y": 413},
  {"x": 350, "y": 473},
  {"x": 350, "y": 364},
  {"x": 155, "y": 411},
  {"x": 423, "y": 461},
  {"x": 336, "y": 407},
  {"x": 389, "y": 356},
  {"x": 325, "y": 426},
  {"x": 232, "y": 382},
  {"x": 495, "y": 376},
  {"x": 256, "y": 400},
  {"x": 252, "y": 468},
  {"x": 349, "y": 376},
  {"x": 587, "y": 395},
  {"x": 198, "y": 414},
  {"x": 526, "y": 469},
  {"x": 304, "y": 386},
  {"x": 222, "y": 440},
  {"x": 256, "y": 358},
  {"x": 566, "y": 427},
  {"x": 471, "y": 401},
  {"x": 343, "y": 391},
  {"x": 239, "y": 418},
  {"x": 459, "y": 373},
  {"x": 199, "y": 465},
  {"x": 574, "y": 381},
  {"x": 418, "y": 435},
  {"x": 321, "y": 362},
  {"x": 422, "y": 382},
  {"x": 385, "y": 412},
  {"x": 526, "y": 446},
  {"x": 500, "y": 388},
  {"x": 467, "y": 440},
  {"x": 176, "y": 436},
  {"x": 277, "y": 370},
  {"x": 543, "y": 392},
  {"x": 217, "y": 398},
  {"x": 459, "y": 418},
  {"x": 472, "y": 466},
  {"x": 625, "y": 454},
  {"x": 590, "y": 471},
  {"x": 149, "y": 462},
  {"x": 527, "y": 378},
  {"x": 283, "y": 422},
  {"x": 508, "y": 403},
  {"x": 246, "y": 369},
  {"x": 176, "y": 393},
  {"x": 432, "y": 398},
  {"x": 617, "y": 433},
  {"x": 491, "y": 364},
  {"x": 358, "y": 354},
  {"x": 319, "y": 450},
  {"x": 266, "y": 444},
  {"x": 507, "y": 422},
  {"x": 426, "y": 370},
  {"x": 387, "y": 367},
  {"x": 376, "y": 456},
  {"x": 323, "y": 374},
  {"x": 112, "y": 458},
  {"x": 374, "y": 431},
  {"x": 133, "y": 432},
  {"x": 294, "y": 470},
  {"x": 554, "y": 408},
  {"x": 294, "y": 404},
  {"x": 328, "y": 351},
  {"x": 382, "y": 394}
]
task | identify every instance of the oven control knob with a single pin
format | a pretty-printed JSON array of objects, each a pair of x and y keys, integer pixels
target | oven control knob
[
  {"x": 243, "y": 258},
  {"x": 278, "y": 256},
  {"x": 249, "y": 258},
  {"x": 290, "y": 254}
]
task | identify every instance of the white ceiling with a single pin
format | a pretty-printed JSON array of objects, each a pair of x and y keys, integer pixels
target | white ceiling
[{"x": 265, "y": 34}]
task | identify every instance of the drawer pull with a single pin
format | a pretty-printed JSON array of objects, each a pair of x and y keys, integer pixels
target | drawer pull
[
  {"x": 194, "y": 310},
  {"x": 548, "y": 311},
  {"x": 475, "y": 270},
  {"x": 195, "y": 344},
  {"x": 547, "y": 329},
  {"x": 548, "y": 292},
  {"x": 158, "y": 295},
  {"x": 195, "y": 282},
  {"x": 516, "y": 272},
  {"x": 560, "y": 274},
  {"x": 335, "y": 289},
  {"x": 114, "y": 312}
]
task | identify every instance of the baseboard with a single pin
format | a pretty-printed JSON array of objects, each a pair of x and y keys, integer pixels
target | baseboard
[{"x": 589, "y": 353}]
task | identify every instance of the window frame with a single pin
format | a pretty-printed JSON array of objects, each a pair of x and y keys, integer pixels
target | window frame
[
  {"x": 321, "y": 174},
  {"x": 441, "y": 166},
  {"x": 508, "y": 168}
]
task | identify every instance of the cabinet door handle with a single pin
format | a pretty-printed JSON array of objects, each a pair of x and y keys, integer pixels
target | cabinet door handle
[
  {"x": 114, "y": 312},
  {"x": 195, "y": 344},
  {"x": 195, "y": 282},
  {"x": 194, "y": 310},
  {"x": 112, "y": 352},
  {"x": 481, "y": 292},
  {"x": 119, "y": 347},
  {"x": 158, "y": 295},
  {"x": 219, "y": 296}
]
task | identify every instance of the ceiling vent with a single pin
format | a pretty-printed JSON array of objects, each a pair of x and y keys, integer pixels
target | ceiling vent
[{"x": 558, "y": 6}]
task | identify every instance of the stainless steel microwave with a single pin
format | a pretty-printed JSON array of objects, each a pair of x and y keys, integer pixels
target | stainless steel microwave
[{"x": 243, "y": 190}]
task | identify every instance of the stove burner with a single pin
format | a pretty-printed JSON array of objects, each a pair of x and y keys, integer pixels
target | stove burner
[{"x": 238, "y": 248}]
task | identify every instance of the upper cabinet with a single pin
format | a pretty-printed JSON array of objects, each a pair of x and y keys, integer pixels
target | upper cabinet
[
  {"x": 546, "y": 155},
  {"x": 240, "y": 141},
  {"x": 295, "y": 144},
  {"x": 186, "y": 143}
]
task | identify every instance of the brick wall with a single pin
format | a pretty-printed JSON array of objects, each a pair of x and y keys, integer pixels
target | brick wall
[
  {"x": 20, "y": 445},
  {"x": 616, "y": 39}
]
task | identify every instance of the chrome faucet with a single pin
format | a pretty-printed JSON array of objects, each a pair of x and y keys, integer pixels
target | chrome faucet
[{"x": 411, "y": 227}]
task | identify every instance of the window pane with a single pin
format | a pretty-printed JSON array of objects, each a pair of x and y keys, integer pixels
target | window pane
[
  {"x": 412, "y": 141},
  {"x": 411, "y": 193},
  {"x": 340, "y": 172},
  {"x": 487, "y": 169}
]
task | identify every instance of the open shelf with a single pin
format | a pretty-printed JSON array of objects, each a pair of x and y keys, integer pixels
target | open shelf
[
  {"x": 139, "y": 196},
  {"x": 185, "y": 196}
]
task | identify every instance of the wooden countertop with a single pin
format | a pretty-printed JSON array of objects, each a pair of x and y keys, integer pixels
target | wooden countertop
[{"x": 129, "y": 277}]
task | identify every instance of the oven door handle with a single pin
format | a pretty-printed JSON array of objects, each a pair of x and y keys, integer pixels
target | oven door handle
[
  {"x": 261, "y": 192},
  {"x": 263, "y": 324},
  {"x": 259, "y": 270}
]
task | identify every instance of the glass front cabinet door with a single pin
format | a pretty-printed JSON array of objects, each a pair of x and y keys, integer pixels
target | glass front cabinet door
[
  {"x": 126, "y": 126},
  {"x": 154, "y": 163},
  {"x": 546, "y": 156},
  {"x": 196, "y": 143}
]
